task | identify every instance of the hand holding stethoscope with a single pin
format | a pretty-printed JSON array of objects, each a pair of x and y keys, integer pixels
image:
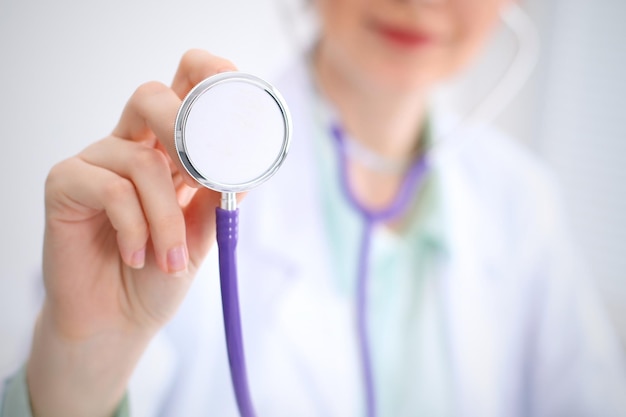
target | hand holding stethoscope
[{"x": 126, "y": 228}]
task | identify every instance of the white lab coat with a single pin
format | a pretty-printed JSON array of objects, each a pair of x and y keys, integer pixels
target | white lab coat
[{"x": 525, "y": 330}]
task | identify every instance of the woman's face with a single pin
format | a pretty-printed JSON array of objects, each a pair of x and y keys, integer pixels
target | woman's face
[{"x": 404, "y": 44}]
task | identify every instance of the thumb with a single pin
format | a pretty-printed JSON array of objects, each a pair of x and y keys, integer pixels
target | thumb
[{"x": 200, "y": 222}]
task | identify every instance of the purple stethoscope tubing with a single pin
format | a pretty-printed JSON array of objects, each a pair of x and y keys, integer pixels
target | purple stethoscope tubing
[
  {"x": 518, "y": 72},
  {"x": 227, "y": 230},
  {"x": 190, "y": 140},
  {"x": 412, "y": 180}
]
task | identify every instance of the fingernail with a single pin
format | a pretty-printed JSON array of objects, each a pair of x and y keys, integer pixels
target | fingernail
[
  {"x": 138, "y": 258},
  {"x": 177, "y": 259}
]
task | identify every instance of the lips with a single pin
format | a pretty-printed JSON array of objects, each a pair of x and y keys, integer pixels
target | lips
[{"x": 402, "y": 37}]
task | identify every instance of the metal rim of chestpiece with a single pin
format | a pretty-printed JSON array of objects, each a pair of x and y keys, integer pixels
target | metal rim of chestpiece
[{"x": 185, "y": 110}]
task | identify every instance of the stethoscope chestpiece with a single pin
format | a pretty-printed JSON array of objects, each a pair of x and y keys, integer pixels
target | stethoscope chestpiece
[{"x": 232, "y": 132}]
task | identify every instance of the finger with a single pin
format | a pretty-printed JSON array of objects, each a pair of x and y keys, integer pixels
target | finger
[
  {"x": 150, "y": 112},
  {"x": 100, "y": 189},
  {"x": 185, "y": 194},
  {"x": 200, "y": 220},
  {"x": 149, "y": 172},
  {"x": 195, "y": 66}
]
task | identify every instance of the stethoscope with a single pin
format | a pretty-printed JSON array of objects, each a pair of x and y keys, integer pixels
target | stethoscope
[{"x": 232, "y": 133}]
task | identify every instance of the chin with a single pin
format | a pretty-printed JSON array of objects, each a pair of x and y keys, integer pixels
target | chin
[
  {"x": 401, "y": 79},
  {"x": 401, "y": 71}
]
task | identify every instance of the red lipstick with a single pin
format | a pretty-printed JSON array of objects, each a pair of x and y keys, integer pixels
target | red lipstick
[{"x": 403, "y": 37}]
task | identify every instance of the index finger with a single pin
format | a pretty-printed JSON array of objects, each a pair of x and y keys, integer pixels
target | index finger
[
  {"x": 150, "y": 114},
  {"x": 195, "y": 66},
  {"x": 151, "y": 111}
]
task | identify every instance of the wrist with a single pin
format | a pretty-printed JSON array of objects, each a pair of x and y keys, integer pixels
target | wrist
[{"x": 80, "y": 376}]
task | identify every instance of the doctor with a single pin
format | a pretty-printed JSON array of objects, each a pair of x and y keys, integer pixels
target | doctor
[{"x": 477, "y": 304}]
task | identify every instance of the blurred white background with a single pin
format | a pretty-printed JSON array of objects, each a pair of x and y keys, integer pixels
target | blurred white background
[{"x": 68, "y": 67}]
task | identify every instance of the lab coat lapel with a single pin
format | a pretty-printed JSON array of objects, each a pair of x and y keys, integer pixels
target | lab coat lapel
[
  {"x": 313, "y": 324},
  {"x": 468, "y": 300},
  {"x": 293, "y": 188}
]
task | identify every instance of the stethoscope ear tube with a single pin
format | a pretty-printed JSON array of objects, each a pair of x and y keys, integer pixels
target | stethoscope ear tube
[{"x": 227, "y": 222}]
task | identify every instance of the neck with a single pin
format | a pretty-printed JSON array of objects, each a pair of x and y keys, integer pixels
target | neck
[{"x": 384, "y": 121}]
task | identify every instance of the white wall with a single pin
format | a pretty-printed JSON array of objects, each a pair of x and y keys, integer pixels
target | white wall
[
  {"x": 582, "y": 134},
  {"x": 67, "y": 68}
]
